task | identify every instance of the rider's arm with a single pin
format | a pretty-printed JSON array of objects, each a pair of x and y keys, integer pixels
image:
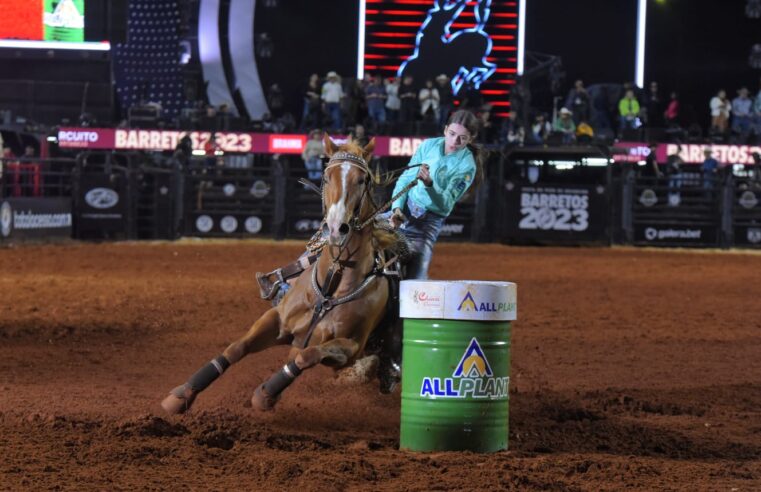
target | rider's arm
[{"x": 406, "y": 177}]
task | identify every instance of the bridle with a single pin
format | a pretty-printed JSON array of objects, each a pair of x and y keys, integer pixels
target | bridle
[{"x": 355, "y": 223}]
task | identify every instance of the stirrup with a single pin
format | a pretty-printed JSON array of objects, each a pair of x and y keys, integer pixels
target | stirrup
[{"x": 269, "y": 283}]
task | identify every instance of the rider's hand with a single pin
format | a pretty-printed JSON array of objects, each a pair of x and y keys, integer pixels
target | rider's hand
[
  {"x": 397, "y": 218},
  {"x": 425, "y": 175}
]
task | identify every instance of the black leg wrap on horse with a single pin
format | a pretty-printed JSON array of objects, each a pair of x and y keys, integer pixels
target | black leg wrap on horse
[
  {"x": 208, "y": 373},
  {"x": 282, "y": 379}
]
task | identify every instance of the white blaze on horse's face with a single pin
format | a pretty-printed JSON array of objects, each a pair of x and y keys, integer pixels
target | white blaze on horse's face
[{"x": 337, "y": 218}]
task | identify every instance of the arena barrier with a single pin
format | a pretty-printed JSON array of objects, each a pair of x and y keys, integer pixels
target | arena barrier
[
  {"x": 35, "y": 199},
  {"x": 529, "y": 196},
  {"x": 688, "y": 209},
  {"x": 456, "y": 359}
]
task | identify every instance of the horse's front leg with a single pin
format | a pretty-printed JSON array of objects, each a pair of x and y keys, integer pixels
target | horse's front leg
[
  {"x": 263, "y": 334},
  {"x": 334, "y": 353}
]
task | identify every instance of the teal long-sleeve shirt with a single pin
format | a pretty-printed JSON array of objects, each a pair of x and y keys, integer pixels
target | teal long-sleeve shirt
[{"x": 451, "y": 174}]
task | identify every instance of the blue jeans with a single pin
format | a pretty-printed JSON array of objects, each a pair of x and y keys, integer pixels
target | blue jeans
[
  {"x": 334, "y": 110},
  {"x": 422, "y": 233}
]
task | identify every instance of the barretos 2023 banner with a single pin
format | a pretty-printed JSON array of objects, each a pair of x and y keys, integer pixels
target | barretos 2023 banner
[
  {"x": 233, "y": 142},
  {"x": 690, "y": 153}
]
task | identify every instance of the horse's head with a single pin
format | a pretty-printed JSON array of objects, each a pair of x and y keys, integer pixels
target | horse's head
[{"x": 347, "y": 183}]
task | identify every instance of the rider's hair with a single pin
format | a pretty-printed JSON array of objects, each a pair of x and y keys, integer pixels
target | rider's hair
[{"x": 470, "y": 122}]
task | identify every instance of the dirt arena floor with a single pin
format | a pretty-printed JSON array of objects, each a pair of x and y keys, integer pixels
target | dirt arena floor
[{"x": 632, "y": 369}]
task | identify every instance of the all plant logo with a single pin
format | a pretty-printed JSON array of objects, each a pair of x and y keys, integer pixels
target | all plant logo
[
  {"x": 469, "y": 303},
  {"x": 472, "y": 378},
  {"x": 473, "y": 363}
]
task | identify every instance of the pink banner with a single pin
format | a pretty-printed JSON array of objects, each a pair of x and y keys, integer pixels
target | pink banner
[
  {"x": 690, "y": 153},
  {"x": 233, "y": 142}
]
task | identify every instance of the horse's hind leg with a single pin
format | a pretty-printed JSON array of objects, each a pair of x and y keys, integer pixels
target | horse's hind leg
[
  {"x": 263, "y": 334},
  {"x": 336, "y": 352}
]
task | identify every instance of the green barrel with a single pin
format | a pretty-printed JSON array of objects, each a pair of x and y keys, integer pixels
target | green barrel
[{"x": 456, "y": 365}]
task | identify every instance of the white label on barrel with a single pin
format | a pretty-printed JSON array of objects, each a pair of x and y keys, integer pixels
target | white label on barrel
[{"x": 467, "y": 300}]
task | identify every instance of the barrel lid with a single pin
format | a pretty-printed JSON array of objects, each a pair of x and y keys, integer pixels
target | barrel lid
[{"x": 458, "y": 299}]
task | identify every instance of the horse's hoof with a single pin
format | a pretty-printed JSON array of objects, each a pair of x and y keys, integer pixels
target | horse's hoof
[
  {"x": 262, "y": 400},
  {"x": 179, "y": 400}
]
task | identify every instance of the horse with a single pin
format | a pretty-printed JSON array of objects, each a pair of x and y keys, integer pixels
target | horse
[{"x": 332, "y": 308}]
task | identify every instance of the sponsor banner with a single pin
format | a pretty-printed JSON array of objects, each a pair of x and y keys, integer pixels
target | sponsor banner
[
  {"x": 233, "y": 142},
  {"x": 35, "y": 218},
  {"x": 228, "y": 224},
  {"x": 657, "y": 234},
  {"x": 464, "y": 299},
  {"x": 101, "y": 205},
  {"x": 556, "y": 212},
  {"x": 748, "y": 236},
  {"x": 690, "y": 153}
]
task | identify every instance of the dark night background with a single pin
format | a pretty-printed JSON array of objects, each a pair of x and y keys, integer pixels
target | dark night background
[{"x": 693, "y": 46}]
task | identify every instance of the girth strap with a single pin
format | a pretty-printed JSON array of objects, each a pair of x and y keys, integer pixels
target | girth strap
[{"x": 325, "y": 303}]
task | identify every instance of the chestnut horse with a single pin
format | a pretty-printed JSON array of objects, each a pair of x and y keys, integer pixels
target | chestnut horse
[{"x": 334, "y": 305}]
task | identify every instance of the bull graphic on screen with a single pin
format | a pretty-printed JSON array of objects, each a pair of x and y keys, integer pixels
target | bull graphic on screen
[{"x": 460, "y": 55}]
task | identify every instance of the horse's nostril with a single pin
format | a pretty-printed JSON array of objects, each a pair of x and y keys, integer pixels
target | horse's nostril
[{"x": 344, "y": 229}]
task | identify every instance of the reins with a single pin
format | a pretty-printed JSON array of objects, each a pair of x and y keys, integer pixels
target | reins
[{"x": 324, "y": 295}]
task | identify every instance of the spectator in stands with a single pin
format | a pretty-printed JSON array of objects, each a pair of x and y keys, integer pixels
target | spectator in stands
[
  {"x": 579, "y": 102},
  {"x": 223, "y": 117},
  {"x": 275, "y": 101},
  {"x": 312, "y": 156},
  {"x": 512, "y": 133},
  {"x": 628, "y": 111},
  {"x": 650, "y": 169},
  {"x": 654, "y": 106},
  {"x": 671, "y": 115},
  {"x": 209, "y": 120},
  {"x": 353, "y": 105},
  {"x": 311, "y": 115},
  {"x": 742, "y": 111},
  {"x": 757, "y": 114},
  {"x": 429, "y": 102},
  {"x": 472, "y": 99},
  {"x": 585, "y": 134},
  {"x": 487, "y": 133},
  {"x": 359, "y": 135},
  {"x": 375, "y": 95},
  {"x": 720, "y": 109},
  {"x": 540, "y": 130},
  {"x": 393, "y": 103},
  {"x": 564, "y": 125},
  {"x": 408, "y": 97},
  {"x": 446, "y": 99},
  {"x": 331, "y": 95},
  {"x": 710, "y": 170}
]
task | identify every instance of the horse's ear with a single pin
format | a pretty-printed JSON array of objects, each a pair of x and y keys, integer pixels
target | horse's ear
[
  {"x": 330, "y": 147},
  {"x": 368, "y": 150}
]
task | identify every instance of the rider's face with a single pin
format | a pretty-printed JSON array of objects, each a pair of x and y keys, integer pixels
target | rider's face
[{"x": 456, "y": 137}]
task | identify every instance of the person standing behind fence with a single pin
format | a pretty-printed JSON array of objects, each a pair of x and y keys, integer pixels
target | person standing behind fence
[
  {"x": 720, "y": 109},
  {"x": 449, "y": 165},
  {"x": 710, "y": 170},
  {"x": 312, "y": 156},
  {"x": 331, "y": 95}
]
